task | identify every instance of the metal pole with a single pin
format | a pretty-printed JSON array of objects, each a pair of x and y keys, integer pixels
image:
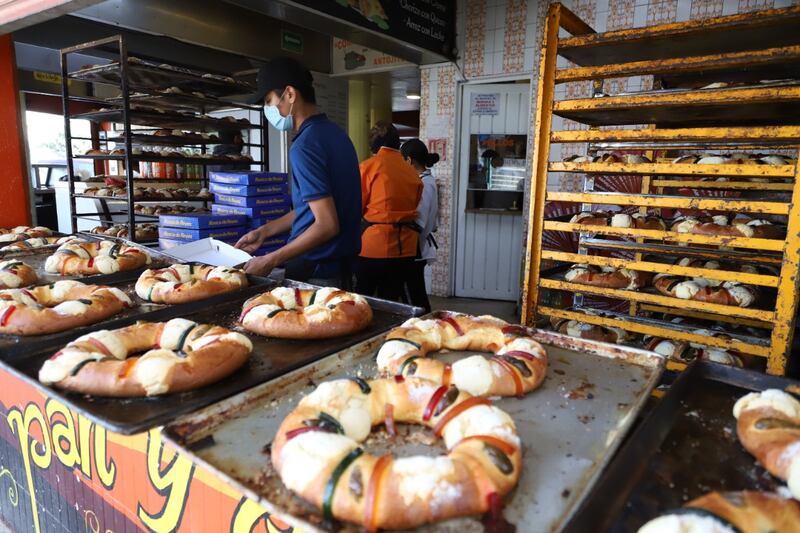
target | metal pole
[
  {"x": 68, "y": 139},
  {"x": 541, "y": 155},
  {"x": 126, "y": 118}
]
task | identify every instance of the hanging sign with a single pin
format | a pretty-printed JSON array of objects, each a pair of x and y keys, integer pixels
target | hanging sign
[
  {"x": 428, "y": 24},
  {"x": 485, "y": 104},
  {"x": 291, "y": 42},
  {"x": 351, "y": 58}
]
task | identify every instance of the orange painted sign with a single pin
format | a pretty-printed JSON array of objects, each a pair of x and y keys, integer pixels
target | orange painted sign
[{"x": 61, "y": 471}]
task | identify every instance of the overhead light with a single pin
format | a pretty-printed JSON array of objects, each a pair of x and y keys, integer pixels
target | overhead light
[{"x": 413, "y": 95}]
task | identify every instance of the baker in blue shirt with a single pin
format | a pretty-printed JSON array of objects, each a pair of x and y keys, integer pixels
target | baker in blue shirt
[{"x": 326, "y": 184}]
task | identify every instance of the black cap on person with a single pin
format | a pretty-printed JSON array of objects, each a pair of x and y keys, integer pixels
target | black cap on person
[{"x": 279, "y": 72}]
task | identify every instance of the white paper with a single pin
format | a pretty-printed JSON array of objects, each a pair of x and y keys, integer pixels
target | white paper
[
  {"x": 485, "y": 104},
  {"x": 211, "y": 252}
]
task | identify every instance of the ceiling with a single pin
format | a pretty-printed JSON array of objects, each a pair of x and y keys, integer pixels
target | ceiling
[{"x": 400, "y": 80}]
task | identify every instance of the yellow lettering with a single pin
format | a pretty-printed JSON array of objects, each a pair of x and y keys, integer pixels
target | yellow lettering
[
  {"x": 106, "y": 468},
  {"x": 20, "y": 425},
  {"x": 249, "y": 514},
  {"x": 172, "y": 482},
  {"x": 63, "y": 432},
  {"x": 84, "y": 436}
]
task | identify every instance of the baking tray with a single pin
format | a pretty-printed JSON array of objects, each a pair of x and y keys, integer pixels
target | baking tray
[
  {"x": 25, "y": 251},
  {"x": 167, "y": 120},
  {"x": 181, "y": 101},
  {"x": 15, "y": 346},
  {"x": 36, "y": 258},
  {"x": 270, "y": 359},
  {"x": 569, "y": 429},
  {"x": 687, "y": 446},
  {"x": 145, "y": 74}
]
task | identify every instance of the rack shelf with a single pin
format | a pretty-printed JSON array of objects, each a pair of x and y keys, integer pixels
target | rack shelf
[
  {"x": 775, "y": 28},
  {"x": 760, "y": 117},
  {"x": 164, "y": 140},
  {"x": 181, "y": 101},
  {"x": 157, "y": 96},
  {"x": 168, "y": 159},
  {"x": 166, "y": 120},
  {"x": 680, "y": 108},
  {"x": 122, "y": 199},
  {"x": 148, "y": 76}
]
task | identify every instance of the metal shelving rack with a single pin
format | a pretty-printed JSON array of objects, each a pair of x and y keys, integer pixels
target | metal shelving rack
[
  {"x": 144, "y": 89},
  {"x": 743, "y": 49}
]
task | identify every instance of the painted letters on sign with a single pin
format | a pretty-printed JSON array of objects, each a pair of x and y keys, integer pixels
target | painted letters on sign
[{"x": 485, "y": 104}]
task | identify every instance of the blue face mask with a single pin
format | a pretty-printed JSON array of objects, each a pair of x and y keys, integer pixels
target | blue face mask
[{"x": 274, "y": 117}]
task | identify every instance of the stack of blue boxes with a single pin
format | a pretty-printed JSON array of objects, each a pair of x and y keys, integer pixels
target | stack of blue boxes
[
  {"x": 257, "y": 196},
  {"x": 174, "y": 230}
]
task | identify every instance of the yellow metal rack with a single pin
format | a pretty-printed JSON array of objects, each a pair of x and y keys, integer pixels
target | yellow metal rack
[{"x": 742, "y": 48}]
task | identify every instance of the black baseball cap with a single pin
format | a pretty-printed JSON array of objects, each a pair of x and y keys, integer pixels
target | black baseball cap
[{"x": 279, "y": 72}]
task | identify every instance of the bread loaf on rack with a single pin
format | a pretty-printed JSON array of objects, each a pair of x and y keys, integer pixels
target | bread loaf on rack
[
  {"x": 703, "y": 290},
  {"x": 609, "y": 277},
  {"x": 584, "y": 330},
  {"x": 619, "y": 220},
  {"x": 736, "y": 226}
]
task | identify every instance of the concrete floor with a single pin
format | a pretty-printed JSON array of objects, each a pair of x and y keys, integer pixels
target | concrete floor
[{"x": 504, "y": 310}]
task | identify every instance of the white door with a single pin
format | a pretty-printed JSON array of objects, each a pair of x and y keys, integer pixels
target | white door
[{"x": 489, "y": 241}]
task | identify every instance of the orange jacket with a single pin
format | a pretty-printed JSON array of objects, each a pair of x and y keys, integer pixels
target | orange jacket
[{"x": 390, "y": 192}]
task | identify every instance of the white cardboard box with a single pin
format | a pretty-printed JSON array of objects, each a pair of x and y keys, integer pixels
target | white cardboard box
[
  {"x": 211, "y": 252},
  {"x": 217, "y": 253}
]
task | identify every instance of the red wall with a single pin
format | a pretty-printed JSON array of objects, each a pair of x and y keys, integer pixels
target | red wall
[{"x": 14, "y": 184}]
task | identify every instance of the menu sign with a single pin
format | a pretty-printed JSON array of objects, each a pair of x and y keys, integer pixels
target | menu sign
[
  {"x": 428, "y": 24},
  {"x": 349, "y": 58}
]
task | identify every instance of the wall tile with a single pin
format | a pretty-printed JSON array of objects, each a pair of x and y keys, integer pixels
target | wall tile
[
  {"x": 754, "y": 5},
  {"x": 498, "y": 63},
  {"x": 530, "y": 59},
  {"x": 620, "y": 14},
  {"x": 586, "y": 10},
  {"x": 662, "y": 11},
  {"x": 601, "y": 21},
  {"x": 703, "y": 9},
  {"x": 640, "y": 16},
  {"x": 684, "y": 10},
  {"x": 475, "y": 33},
  {"x": 488, "y": 64},
  {"x": 497, "y": 42},
  {"x": 514, "y": 37}
]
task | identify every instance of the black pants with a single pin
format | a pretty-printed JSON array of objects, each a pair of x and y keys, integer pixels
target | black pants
[
  {"x": 415, "y": 287},
  {"x": 334, "y": 273},
  {"x": 384, "y": 278}
]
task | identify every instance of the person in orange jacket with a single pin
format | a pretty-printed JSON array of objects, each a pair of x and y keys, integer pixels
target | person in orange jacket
[{"x": 390, "y": 193}]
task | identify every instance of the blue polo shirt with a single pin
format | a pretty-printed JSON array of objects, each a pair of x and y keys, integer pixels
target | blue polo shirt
[{"x": 324, "y": 163}]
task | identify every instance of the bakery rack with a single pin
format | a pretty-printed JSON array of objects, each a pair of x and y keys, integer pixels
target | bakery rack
[
  {"x": 747, "y": 114},
  {"x": 155, "y": 96}
]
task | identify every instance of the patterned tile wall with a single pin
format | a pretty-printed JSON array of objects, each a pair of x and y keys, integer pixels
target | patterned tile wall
[{"x": 503, "y": 38}]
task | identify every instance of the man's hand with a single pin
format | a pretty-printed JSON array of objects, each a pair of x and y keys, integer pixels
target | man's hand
[
  {"x": 261, "y": 266},
  {"x": 251, "y": 241}
]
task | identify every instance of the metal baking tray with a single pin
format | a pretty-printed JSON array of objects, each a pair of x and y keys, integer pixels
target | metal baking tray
[
  {"x": 270, "y": 359},
  {"x": 16, "y": 346},
  {"x": 569, "y": 428},
  {"x": 36, "y": 258},
  {"x": 687, "y": 446},
  {"x": 170, "y": 120},
  {"x": 142, "y": 73},
  {"x": 25, "y": 251},
  {"x": 181, "y": 101}
]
